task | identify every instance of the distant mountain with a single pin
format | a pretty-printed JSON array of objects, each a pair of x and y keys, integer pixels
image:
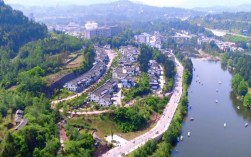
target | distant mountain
[
  {"x": 122, "y": 10},
  {"x": 219, "y": 9}
]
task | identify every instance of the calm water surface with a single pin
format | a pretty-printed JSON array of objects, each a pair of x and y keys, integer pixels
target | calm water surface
[{"x": 208, "y": 136}]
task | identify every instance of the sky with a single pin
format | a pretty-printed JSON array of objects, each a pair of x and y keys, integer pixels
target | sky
[{"x": 173, "y": 3}]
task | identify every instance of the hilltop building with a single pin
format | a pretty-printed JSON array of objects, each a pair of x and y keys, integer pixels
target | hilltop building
[{"x": 92, "y": 30}]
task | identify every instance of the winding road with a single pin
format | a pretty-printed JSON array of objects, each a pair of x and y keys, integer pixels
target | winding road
[{"x": 162, "y": 124}]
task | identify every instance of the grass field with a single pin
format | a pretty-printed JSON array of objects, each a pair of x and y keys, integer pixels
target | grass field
[
  {"x": 76, "y": 63},
  {"x": 101, "y": 123},
  {"x": 249, "y": 90},
  {"x": 62, "y": 93},
  {"x": 104, "y": 125},
  {"x": 235, "y": 38}
]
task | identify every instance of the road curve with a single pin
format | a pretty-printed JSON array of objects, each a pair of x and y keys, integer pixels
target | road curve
[{"x": 161, "y": 126}]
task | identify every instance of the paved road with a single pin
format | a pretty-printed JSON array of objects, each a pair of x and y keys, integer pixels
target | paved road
[
  {"x": 162, "y": 124},
  {"x": 111, "y": 56}
]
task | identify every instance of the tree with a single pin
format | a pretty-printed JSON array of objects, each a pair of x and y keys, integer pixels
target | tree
[
  {"x": 247, "y": 100},
  {"x": 14, "y": 145},
  {"x": 31, "y": 80},
  {"x": 242, "y": 88},
  {"x": 235, "y": 82},
  {"x": 163, "y": 150},
  {"x": 145, "y": 55},
  {"x": 129, "y": 119}
]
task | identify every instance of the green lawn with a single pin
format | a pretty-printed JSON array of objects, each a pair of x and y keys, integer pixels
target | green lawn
[
  {"x": 104, "y": 125},
  {"x": 235, "y": 38},
  {"x": 62, "y": 93}
]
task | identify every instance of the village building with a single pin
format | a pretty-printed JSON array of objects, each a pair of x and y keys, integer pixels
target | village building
[
  {"x": 103, "y": 95},
  {"x": 154, "y": 73},
  {"x": 85, "y": 80}
]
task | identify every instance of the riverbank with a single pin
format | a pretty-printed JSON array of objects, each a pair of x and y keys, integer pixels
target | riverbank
[{"x": 205, "y": 56}]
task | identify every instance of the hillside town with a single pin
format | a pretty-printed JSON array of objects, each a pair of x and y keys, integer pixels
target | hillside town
[{"x": 125, "y": 78}]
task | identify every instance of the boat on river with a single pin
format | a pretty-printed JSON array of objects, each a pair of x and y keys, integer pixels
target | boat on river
[
  {"x": 191, "y": 119},
  {"x": 216, "y": 101},
  {"x": 181, "y": 138},
  {"x": 225, "y": 125},
  {"x": 246, "y": 125},
  {"x": 188, "y": 134}
]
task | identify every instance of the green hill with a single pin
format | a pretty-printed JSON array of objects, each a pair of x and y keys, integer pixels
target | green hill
[{"x": 16, "y": 29}]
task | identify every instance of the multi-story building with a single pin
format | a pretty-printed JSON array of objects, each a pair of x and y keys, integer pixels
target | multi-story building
[
  {"x": 92, "y": 30},
  {"x": 151, "y": 40},
  {"x": 143, "y": 38}
]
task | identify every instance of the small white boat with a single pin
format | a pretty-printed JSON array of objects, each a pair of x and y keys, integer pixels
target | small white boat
[
  {"x": 219, "y": 82},
  {"x": 238, "y": 107},
  {"x": 225, "y": 125},
  {"x": 188, "y": 134},
  {"x": 246, "y": 125},
  {"x": 216, "y": 101},
  {"x": 191, "y": 119},
  {"x": 181, "y": 138}
]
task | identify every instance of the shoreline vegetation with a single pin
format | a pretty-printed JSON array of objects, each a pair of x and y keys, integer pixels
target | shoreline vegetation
[{"x": 241, "y": 80}]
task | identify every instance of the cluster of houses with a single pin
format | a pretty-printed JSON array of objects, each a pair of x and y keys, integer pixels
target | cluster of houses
[
  {"x": 151, "y": 40},
  {"x": 83, "y": 81},
  {"x": 122, "y": 75},
  {"x": 154, "y": 73},
  {"x": 223, "y": 46},
  {"x": 103, "y": 95},
  {"x": 127, "y": 66}
]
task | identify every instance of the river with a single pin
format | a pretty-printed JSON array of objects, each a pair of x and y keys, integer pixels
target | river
[{"x": 208, "y": 137}]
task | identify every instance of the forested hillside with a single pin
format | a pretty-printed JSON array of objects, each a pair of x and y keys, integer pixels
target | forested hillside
[
  {"x": 240, "y": 63},
  {"x": 16, "y": 29},
  {"x": 233, "y": 22},
  {"x": 27, "y": 54}
]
